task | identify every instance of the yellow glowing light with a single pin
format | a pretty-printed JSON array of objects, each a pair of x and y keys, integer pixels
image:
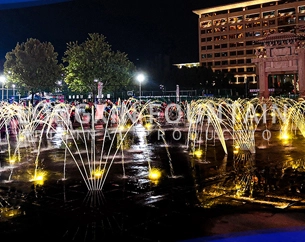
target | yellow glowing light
[
  {"x": 239, "y": 193},
  {"x": 12, "y": 160},
  {"x": 21, "y": 137},
  {"x": 284, "y": 136},
  {"x": 283, "y": 205},
  {"x": 121, "y": 127},
  {"x": 294, "y": 166},
  {"x": 97, "y": 173},
  {"x": 148, "y": 126},
  {"x": 9, "y": 212},
  {"x": 235, "y": 151},
  {"x": 154, "y": 174},
  {"x": 198, "y": 153},
  {"x": 39, "y": 177}
]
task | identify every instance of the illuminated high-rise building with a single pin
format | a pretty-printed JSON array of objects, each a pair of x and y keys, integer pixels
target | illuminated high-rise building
[{"x": 229, "y": 34}]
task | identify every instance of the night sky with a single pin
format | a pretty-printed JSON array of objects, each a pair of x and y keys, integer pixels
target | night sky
[{"x": 141, "y": 29}]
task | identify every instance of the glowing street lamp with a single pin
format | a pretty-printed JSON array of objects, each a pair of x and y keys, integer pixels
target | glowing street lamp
[
  {"x": 140, "y": 78},
  {"x": 2, "y": 79},
  {"x": 13, "y": 86}
]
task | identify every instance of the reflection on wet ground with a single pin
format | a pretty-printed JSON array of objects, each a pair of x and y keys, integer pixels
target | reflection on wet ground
[{"x": 196, "y": 196}]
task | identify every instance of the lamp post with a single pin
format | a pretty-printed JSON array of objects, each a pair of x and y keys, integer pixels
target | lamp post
[
  {"x": 97, "y": 96},
  {"x": 99, "y": 90},
  {"x": 13, "y": 91},
  {"x": 162, "y": 87},
  {"x": 2, "y": 79},
  {"x": 140, "y": 78},
  {"x": 7, "y": 92}
]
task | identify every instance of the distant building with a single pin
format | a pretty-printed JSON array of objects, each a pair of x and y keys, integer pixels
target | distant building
[
  {"x": 229, "y": 35},
  {"x": 188, "y": 65}
]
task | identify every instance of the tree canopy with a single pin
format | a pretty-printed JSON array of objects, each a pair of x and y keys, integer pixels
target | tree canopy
[
  {"x": 94, "y": 61},
  {"x": 33, "y": 65}
]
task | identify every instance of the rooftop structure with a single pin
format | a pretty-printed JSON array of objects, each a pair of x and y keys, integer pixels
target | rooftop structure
[{"x": 229, "y": 35}]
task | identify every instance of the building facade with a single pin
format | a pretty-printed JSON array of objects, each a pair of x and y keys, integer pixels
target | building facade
[
  {"x": 230, "y": 35},
  {"x": 281, "y": 65}
]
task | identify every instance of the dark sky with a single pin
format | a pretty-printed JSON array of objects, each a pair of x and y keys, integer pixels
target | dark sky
[{"x": 142, "y": 29}]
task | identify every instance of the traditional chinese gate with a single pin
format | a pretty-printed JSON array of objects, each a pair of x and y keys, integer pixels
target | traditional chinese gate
[{"x": 283, "y": 54}]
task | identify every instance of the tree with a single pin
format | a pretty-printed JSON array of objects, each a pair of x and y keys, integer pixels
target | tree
[
  {"x": 94, "y": 60},
  {"x": 33, "y": 65}
]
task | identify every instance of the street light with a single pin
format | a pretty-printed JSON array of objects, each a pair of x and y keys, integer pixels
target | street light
[
  {"x": 97, "y": 96},
  {"x": 2, "y": 79},
  {"x": 13, "y": 91},
  {"x": 140, "y": 78},
  {"x": 99, "y": 90}
]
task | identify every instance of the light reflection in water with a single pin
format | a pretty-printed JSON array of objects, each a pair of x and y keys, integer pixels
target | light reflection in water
[
  {"x": 277, "y": 183},
  {"x": 236, "y": 177}
]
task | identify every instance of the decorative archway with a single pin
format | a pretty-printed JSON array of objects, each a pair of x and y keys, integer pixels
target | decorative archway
[{"x": 283, "y": 54}]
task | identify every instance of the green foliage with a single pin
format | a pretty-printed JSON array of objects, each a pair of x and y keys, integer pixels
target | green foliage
[
  {"x": 93, "y": 60},
  {"x": 33, "y": 66}
]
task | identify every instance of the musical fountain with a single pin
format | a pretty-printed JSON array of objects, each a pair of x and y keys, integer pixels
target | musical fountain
[{"x": 140, "y": 168}]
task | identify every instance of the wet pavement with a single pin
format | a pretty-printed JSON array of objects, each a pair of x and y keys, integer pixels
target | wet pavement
[{"x": 197, "y": 197}]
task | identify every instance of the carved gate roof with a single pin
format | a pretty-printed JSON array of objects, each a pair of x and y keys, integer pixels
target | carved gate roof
[{"x": 281, "y": 37}]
